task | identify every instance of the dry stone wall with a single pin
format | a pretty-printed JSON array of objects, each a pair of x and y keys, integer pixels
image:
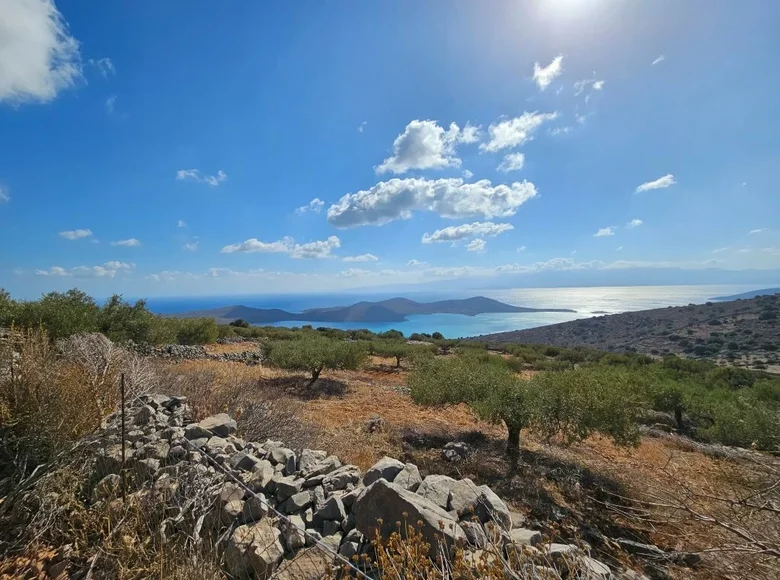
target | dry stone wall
[{"x": 283, "y": 513}]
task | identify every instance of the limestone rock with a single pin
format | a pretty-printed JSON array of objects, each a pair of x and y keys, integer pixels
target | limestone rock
[
  {"x": 220, "y": 425},
  {"x": 284, "y": 457},
  {"x": 386, "y": 468},
  {"x": 297, "y": 502},
  {"x": 489, "y": 507},
  {"x": 475, "y": 535},
  {"x": 341, "y": 478},
  {"x": 254, "y": 551},
  {"x": 436, "y": 488},
  {"x": 313, "y": 563},
  {"x": 107, "y": 487},
  {"x": 293, "y": 531},
  {"x": 255, "y": 508},
  {"x": 387, "y": 501},
  {"x": 308, "y": 459},
  {"x": 324, "y": 467},
  {"x": 230, "y": 511},
  {"x": 455, "y": 451},
  {"x": 409, "y": 477},
  {"x": 195, "y": 431},
  {"x": 525, "y": 537},
  {"x": 332, "y": 509},
  {"x": 463, "y": 495},
  {"x": 287, "y": 487}
]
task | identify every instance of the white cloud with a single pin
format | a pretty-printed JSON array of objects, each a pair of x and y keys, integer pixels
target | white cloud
[
  {"x": 658, "y": 60},
  {"x": 110, "y": 102},
  {"x": 461, "y": 232},
  {"x": 620, "y": 248},
  {"x": 721, "y": 250},
  {"x": 546, "y": 75},
  {"x": 314, "y": 206},
  {"x": 585, "y": 84},
  {"x": 287, "y": 245},
  {"x": 107, "y": 270},
  {"x": 194, "y": 175},
  {"x": 609, "y": 231},
  {"x": 551, "y": 264},
  {"x": 361, "y": 127},
  {"x": 354, "y": 273},
  {"x": 416, "y": 263},
  {"x": 508, "y": 133},
  {"x": 191, "y": 247},
  {"x": 757, "y": 231},
  {"x": 4, "y": 197},
  {"x": 75, "y": 234},
  {"x": 634, "y": 223},
  {"x": 522, "y": 249},
  {"x": 38, "y": 56},
  {"x": 361, "y": 258},
  {"x": 426, "y": 145},
  {"x": 512, "y": 162},
  {"x": 104, "y": 65},
  {"x": 476, "y": 245},
  {"x": 660, "y": 183},
  {"x": 451, "y": 198},
  {"x": 561, "y": 130},
  {"x": 129, "y": 243},
  {"x": 467, "y": 174},
  {"x": 181, "y": 224}
]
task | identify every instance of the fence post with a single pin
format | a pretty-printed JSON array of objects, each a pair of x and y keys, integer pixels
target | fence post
[{"x": 122, "y": 471}]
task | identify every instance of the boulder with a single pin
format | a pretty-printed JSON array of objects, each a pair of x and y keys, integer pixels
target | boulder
[
  {"x": 455, "y": 451},
  {"x": 254, "y": 551},
  {"x": 463, "y": 495},
  {"x": 409, "y": 477},
  {"x": 296, "y": 503},
  {"x": 261, "y": 478},
  {"x": 388, "y": 502},
  {"x": 341, "y": 478},
  {"x": 195, "y": 431},
  {"x": 324, "y": 467},
  {"x": 227, "y": 492},
  {"x": 331, "y": 527},
  {"x": 594, "y": 569},
  {"x": 156, "y": 450},
  {"x": 332, "y": 509},
  {"x": 220, "y": 425},
  {"x": 294, "y": 533},
  {"x": 436, "y": 488},
  {"x": 489, "y": 507},
  {"x": 525, "y": 537},
  {"x": 244, "y": 461},
  {"x": 284, "y": 457},
  {"x": 287, "y": 487},
  {"x": 145, "y": 415},
  {"x": 349, "y": 549},
  {"x": 313, "y": 563},
  {"x": 386, "y": 468},
  {"x": 475, "y": 535},
  {"x": 308, "y": 459},
  {"x": 230, "y": 511},
  {"x": 219, "y": 445},
  {"x": 255, "y": 508}
]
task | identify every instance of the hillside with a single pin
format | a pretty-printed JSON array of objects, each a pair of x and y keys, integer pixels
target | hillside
[
  {"x": 740, "y": 331},
  {"x": 392, "y": 310}
]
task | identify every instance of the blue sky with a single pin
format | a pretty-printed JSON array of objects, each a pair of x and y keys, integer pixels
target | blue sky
[{"x": 171, "y": 148}]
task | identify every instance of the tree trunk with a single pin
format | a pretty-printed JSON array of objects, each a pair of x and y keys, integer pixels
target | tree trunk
[
  {"x": 315, "y": 374},
  {"x": 678, "y": 417},
  {"x": 513, "y": 443},
  {"x": 398, "y": 362}
]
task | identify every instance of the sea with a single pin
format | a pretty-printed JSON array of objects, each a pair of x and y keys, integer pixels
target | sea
[{"x": 586, "y": 302}]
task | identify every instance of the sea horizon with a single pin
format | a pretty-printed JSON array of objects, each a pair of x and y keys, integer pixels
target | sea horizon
[{"x": 585, "y": 301}]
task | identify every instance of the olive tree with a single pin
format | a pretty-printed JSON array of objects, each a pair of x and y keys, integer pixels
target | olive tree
[
  {"x": 572, "y": 404},
  {"x": 399, "y": 350},
  {"x": 313, "y": 354}
]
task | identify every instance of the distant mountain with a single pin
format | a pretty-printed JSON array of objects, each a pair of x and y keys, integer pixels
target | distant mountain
[
  {"x": 737, "y": 330},
  {"x": 748, "y": 295},
  {"x": 392, "y": 310}
]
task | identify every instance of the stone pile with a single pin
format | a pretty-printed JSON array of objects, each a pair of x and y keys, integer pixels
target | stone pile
[
  {"x": 288, "y": 513},
  {"x": 179, "y": 352}
]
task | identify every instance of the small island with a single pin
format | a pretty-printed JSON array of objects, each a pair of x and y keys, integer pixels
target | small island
[{"x": 392, "y": 310}]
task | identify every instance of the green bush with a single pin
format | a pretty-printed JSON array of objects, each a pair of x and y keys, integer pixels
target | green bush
[{"x": 313, "y": 354}]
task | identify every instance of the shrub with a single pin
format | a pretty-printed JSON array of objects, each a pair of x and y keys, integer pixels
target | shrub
[
  {"x": 398, "y": 349},
  {"x": 241, "y": 323},
  {"x": 313, "y": 354},
  {"x": 392, "y": 334}
]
